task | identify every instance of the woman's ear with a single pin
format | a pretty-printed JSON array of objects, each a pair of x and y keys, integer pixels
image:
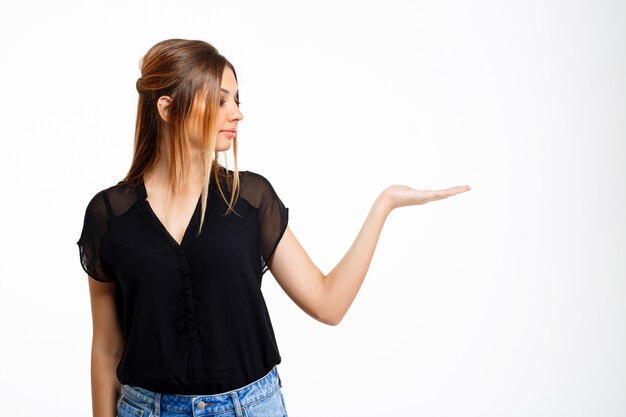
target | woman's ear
[{"x": 163, "y": 104}]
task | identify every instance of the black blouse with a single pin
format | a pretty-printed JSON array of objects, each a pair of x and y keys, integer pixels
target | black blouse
[{"x": 193, "y": 315}]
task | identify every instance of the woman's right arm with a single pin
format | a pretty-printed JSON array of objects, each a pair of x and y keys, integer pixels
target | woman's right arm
[{"x": 106, "y": 348}]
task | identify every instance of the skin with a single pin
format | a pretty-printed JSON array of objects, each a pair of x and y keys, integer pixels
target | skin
[{"x": 326, "y": 298}]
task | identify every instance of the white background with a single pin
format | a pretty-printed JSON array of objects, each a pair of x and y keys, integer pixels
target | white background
[{"x": 508, "y": 300}]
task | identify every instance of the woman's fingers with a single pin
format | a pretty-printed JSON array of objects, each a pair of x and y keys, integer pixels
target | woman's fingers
[{"x": 448, "y": 192}]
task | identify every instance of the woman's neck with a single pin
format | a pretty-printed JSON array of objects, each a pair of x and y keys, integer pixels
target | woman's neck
[{"x": 160, "y": 175}]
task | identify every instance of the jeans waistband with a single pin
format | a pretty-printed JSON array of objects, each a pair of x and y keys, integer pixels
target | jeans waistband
[{"x": 212, "y": 403}]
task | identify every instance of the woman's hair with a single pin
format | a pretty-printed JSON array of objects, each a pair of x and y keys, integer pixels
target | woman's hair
[{"x": 188, "y": 71}]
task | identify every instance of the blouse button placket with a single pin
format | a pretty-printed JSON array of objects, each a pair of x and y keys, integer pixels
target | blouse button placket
[
  {"x": 192, "y": 331},
  {"x": 187, "y": 289}
]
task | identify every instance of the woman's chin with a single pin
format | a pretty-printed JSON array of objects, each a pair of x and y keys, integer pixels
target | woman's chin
[{"x": 222, "y": 148}]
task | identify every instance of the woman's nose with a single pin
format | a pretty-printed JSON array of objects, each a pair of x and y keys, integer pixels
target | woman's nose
[{"x": 237, "y": 115}]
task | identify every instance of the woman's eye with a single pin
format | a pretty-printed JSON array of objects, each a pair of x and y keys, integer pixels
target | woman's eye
[{"x": 224, "y": 101}]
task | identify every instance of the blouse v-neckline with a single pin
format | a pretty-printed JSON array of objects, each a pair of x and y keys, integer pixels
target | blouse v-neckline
[{"x": 159, "y": 224}]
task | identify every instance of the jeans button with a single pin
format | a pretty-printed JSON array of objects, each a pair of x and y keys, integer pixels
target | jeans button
[{"x": 201, "y": 405}]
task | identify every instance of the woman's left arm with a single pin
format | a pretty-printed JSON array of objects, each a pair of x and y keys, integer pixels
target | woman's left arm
[{"x": 328, "y": 298}]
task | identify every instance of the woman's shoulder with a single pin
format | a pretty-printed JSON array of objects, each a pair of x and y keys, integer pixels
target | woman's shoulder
[
  {"x": 257, "y": 188},
  {"x": 247, "y": 175},
  {"x": 115, "y": 199},
  {"x": 254, "y": 179},
  {"x": 257, "y": 184}
]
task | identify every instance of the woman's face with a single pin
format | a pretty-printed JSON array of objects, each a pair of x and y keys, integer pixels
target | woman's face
[{"x": 228, "y": 114}]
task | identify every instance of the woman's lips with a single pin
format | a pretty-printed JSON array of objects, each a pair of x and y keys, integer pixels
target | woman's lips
[{"x": 229, "y": 133}]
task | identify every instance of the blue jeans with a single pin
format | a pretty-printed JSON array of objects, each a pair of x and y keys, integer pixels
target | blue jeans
[{"x": 262, "y": 398}]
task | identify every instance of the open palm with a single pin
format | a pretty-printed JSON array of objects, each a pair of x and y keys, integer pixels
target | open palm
[{"x": 402, "y": 195}]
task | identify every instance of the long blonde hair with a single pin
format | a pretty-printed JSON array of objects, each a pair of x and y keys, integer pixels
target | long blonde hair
[{"x": 185, "y": 70}]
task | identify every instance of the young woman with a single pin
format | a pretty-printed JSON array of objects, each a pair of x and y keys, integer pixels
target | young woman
[{"x": 177, "y": 249}]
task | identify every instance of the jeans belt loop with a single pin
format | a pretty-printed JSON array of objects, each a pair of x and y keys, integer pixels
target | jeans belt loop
[{"x": 157, "y": 405}]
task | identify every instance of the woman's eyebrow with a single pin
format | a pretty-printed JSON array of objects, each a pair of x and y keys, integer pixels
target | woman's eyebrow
[{"x": 226, "y": 91}]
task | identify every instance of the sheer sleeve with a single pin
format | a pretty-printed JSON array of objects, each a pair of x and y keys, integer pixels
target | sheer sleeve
[
  {"x": 95, "y": 226},
  {"x": 273, "y": 215}
]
